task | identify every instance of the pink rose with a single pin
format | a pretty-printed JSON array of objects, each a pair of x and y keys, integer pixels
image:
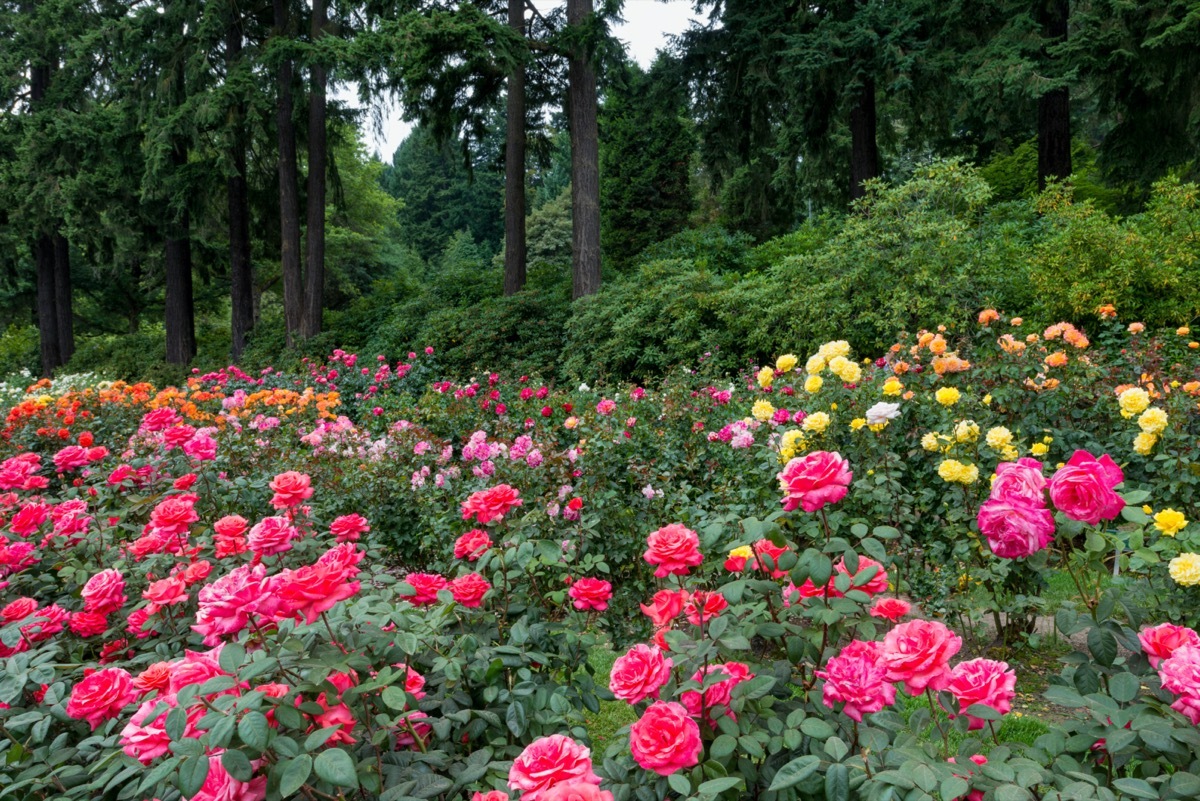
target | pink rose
[
  {"x": 1083, "y": 489},
  {"x": 104, "y": 592},
  {"x": 220, "y": 786},
  {"x": 812, "y": 481},
  {"x": 291, "y": 489},
  {"x": 20, "y": 609},
  {"x": 718, "y": 695},
  {"x": 145, "y": 740},
  {"x": 877, "y": 583},
  {"x": 101, "y": 696},
  {"x": 766, "y": 558},
  {"x": 1180, "y": 674},
  {"x": 88, "y": 624},
  {"x": 491, "y": 504},
  {"x": 165, "y": 592},
  {"x": 348, "y": 528},
  {"x": 577, "y": 791},
  {"x": 639, "y": 674},
  {"x": 1015, "y": 527},
  {"x": 472, "y": 545},
  {"x": 549, "y": 761},
  {"x": 664, "y": 607},
  {"x": 890, "y": 609},
  {"x": 1022, "y": 478},
  {"x": 983, "y": 681},
  {"x": 426, "y": 587},
  {"x": 308, "y": 591},
  {"x": 229, "y": 604},
  {"x": 1161, "y": 641},
  {"x": 492, "y": 795},
  {"x": 701, "y": 606},
  {"x": 918, "y": 653},
  {"x": 271, "y": 536},
  {"x": 591, "y": 593},
  {"x": 665, "y": 739},
  {"x": 857, "y": 677},
  {"x": 674, "y": 549},
  {"x": 469, "y": 590},
  {"x": 174, "y": 515}
]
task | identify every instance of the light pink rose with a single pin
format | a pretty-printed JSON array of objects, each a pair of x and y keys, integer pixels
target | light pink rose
[
  {"x": 983, "y": 681},
  {"x": 639, "y": 674},
  {"x": 1083, "y": 489},
  {"x": 548, "y": 761},
  {"x": 857, "y": 678},
  {"x": 1022, "y": 478},
  {"x": 1180, "y": 674},
  {"x": 918, "y": 653},
  {"x": 1015, "y": 527},
  {"x": 812, "y": 481},
  {"x": 665, "y": 739}
]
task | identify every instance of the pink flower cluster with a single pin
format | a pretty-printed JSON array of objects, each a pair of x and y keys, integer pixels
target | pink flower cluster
[{"x": 1015, "y": 519}]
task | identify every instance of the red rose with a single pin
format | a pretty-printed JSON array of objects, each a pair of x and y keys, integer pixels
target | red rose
[
  {"x": 426, "y": 587},
  {"x": 472, "y": 545},
  {"x": 469, "y": 590},
  {"x": 101, "y": 696}
]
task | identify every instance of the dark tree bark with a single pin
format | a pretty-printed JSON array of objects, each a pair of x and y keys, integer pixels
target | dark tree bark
[
  {"x": 1054, "y": 107},
  {"x": 62, "y": 299},
  {"x": 241, "y": 280},
  {"x": 134, "y": 310},
  {"x": 47, "y": 312},
  {"x": 585, "y": 162},
  {"x": 514, "y": 167},
  {"x": 314, "y": 279},
  {"x": 864, "y": 152},
  {"x": 289, "y": 186},
  {"x": 180, "y": 314}
]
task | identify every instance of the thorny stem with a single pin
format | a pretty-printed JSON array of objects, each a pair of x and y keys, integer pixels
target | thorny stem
[{"x": 942, "y": 730}]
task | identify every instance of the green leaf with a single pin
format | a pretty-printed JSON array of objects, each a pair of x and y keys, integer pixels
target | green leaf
[
  {"x": 232, "y": 657},
  {"x": 254, "y": 730},
  {"x": 237, "y": 765},
  {"x": 1139, "y": 788},
  {"x": 1103, "y": 645},
  {"x": 516, "y": 719},
  {"x": 722, "y": 747},
  {"x": 395, "y": 698},
  {"x": 336, "y": 767},
  {"x": 680, "y": 784},
  {"x": 837, "y": 783},
  {"x": 192, "y": 773},
  {"x": 1124, "y": 687},
  {"x": 954, "y": 787},
  {"x": 816, "y": 728},
  {"x": 795, "y": 772},
  {"x": 295, "y": 774},
  {"x": 716, "y": 786}
]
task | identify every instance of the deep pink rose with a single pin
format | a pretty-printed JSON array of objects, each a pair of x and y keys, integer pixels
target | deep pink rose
[
  {"x": 549, "y": 761},
  {"x": 665, "y": 739},
  {"x": 1160, "y": 641},
  {"x": 101, "y": 696},
  {"x": 349, "y": 528},
  {"x": 229, "y": 604},
  {"x": 88, "y": 624},
  {"x": 271, "y": 535},
  {"x": 719, "y": 694},
  {"x": 104, "y": 592},
  {"x": 220, "y": 786},
  {"x": 1015, "y": 527},
  {"x": 877, "y": 583},
  {"x": 675, "y": 549},
  {"x": 174, "y": 515},
  {"x": 857, "y": 678},
  {"x": 472, "y": 545},
  {"x": 491, "y": 795},
  {"x": 639, "y": 674},
  {"x": 491, "y": 504},
  {"x": 1180, "y": 674},
  {"x": 812, "y": 481},
  {"x": 469, "y": 590},
  {"x": 426, "y": 587},
  {"x": 918, "y": 653},
  {"x": 19, "y": 609},
  {"x": 1022, "y": 478},
  {"x": 577, "y": 791},
  {"x": 983, "y": 681},
  {"x": 591, "y": 593},
  {"x": 1083, "y": 489}
]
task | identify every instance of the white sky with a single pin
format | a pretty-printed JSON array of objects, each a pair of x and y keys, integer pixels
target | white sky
[{"x": 647, "y": 25}]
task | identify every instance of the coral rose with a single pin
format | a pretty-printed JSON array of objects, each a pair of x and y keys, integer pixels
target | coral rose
[
  {"x": 1083, "y": 489},
  {"x": 890, "y": 609},
  {"x": 665, "y": 739},
  {"x": 812, "y": 481},
  {"x": 472, "y": 545},
  {"x": 701, "y": 606},
  {"x": 549, "y": 761},
  {"x": 491, "y": 504},
  {"x": 426, "y": 587},
  {"x": 469, "y": 590},
  {"x": 591, "y": 593},
  {"x": 101, "y": 696},
  {"x": 348, "y": 528},
  {"x": 665, "y": 607},
  {"x": 675, "y": 549},
  {"x": 639, "y": 674},
  {"x": 918, "y": 653},
  {"x": 291, "y": 489}
]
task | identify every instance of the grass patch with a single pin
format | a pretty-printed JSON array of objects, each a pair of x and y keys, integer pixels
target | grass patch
[
  {"x": 613, "y": 716},
  {"x": 1016, "y": 727}
]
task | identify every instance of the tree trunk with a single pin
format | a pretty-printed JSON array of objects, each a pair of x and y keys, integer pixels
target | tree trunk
[
  {"x": 314, "y": 290},
  {"x": 134, "y": 310},
  {"x": 62, "y": 299},
  {"x": 585, "y": 162},
  {"x": 514, "y": 167},
  {"x": 864, "y": 153},
  {"x": 289, "y": 187},
  {"x": 47, "y": 311},
  {"x": 1054, "y": 107},
  {"x": 180, "y": 314},
  {"x": 241, "y": 281}
]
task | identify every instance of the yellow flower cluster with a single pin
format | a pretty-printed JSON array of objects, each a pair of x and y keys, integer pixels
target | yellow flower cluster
[
  {"x": 1133, "y": 402},
  {"x": 1170, "y": 522},
  {"x": 762, "y": 410},
  {"x": 966, "y": 431},
  {"x": 932, "y": 442},
  {"x": 816, "y": 422},
  {"x": 790, "y": 444},
  {"x": 947, "y": 396},
  {"x": 957, "y": 472},
  {"x": 1153, "y": 421},
  {"x": 1185, "y": 569},
  {"x": 845, "y": 369}
]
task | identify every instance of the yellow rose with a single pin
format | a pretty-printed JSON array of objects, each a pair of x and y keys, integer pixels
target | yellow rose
[
  {"x": 762, "y": 410},
  {"x": 999, "y": 438},
  {"x": 1170, "y": 522},
  {"x": 1153, "y": 420},
  {"x": 857, "y": 423},
  {"x": 1143, "y": 443},
  {"x": 742, "y": 552},
  {"x": 830, "y": 350},
  {"x": 1039, "y": 449},
  {"x": 766, "y": 377},
  {"x": 786, "y": 362},
  {"x": 966, "y": 431},
  {"x": 947, "y": 396},
  {"x": 1185, "y": 569},
  {"x": 955, "y": 472},
  {"x": 837, "y": 364},
  {"x": 930, "y": 442},
  {"x": 987, "y": 399},
  {"x": 851, "y": 373},
  {"x": 813, "y": 384},
  {"x": 1148, "y": 509},
  {"x": 892, "y": 386},
  {"x": 877, "y": 427},
  {"x": 792, "y": 439},
  {"x": 571, "y": 422},
  {"x": 815, "y": 364},
  {"x": 816, "y": 422},
  {"x": 1133, "y": 401}
]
